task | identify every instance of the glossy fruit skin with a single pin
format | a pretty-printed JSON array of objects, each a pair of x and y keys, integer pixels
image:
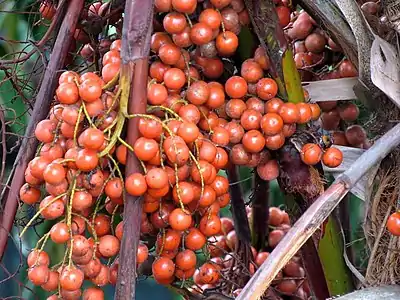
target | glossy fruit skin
[
  {"x": 210, "y": 226},
  {"x": 59, "y": 233},
  {"x": 174, "y": 22},
  {"x": 211, "y": 17},
  {"x": 135, "y": 184},
  {"x": 29, "y": 194},
  {"x": 39, "y": 275},
  {"x": 227, "y": 43},
  {"x": 194, "y": 239},
  {"x": 274, "y": 142},
  {"x": 271, "y": 123},
  {"x": 393, "y": 223},
  {"x": 289, "y": 112},
  {"x": 304, "y": 112},
  {"x": 71, "y": 279},
  {"x": 236, "y": 87},
  {"x": 201, "y": 34},
  {"x": 37, "y": 257},
  {"x": 267, "y": 88},
  {"x": 186, "y": 260},
  {"x": 209, "y": 273},
  {"x": 163, "y": 268},
  {"x": 253, "y": 141},
  {"x": 332, "y": 157},
  {"x": 180, "y": 220},
  {"x": 311, "y": 154}
]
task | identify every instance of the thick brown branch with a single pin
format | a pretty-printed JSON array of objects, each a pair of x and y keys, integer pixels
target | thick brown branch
[
  {"x": 40, "y": 111},
  {"x": 135, "y": 50}
]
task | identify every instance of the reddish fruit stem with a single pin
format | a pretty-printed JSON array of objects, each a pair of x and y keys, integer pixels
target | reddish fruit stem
[
  {"x": 136, "y": 37},
  {"x": 260, "y": 211},
  {"x": 40, "y": 111},
  {"x": 239, "y": 215},
  {"x": 314, "y": 271}
]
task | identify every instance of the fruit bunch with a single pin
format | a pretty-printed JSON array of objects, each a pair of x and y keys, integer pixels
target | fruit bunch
[
  {"x": 313, "y": 51},
  {"x": 83, "y": 186},
  {"x": 195, "y": 126},
  {"x": 291, "y": 281},
  {"x": 341, "y": 114}
]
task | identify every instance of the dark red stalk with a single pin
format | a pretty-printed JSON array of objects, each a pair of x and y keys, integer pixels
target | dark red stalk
[
  {"x": 40, "y": 111},
  {"x": 260, "y": 212},
  {"x": 314, "y": 271},
  {"x": 239, "y": 215},
  {"x": 136, "y": 35}
]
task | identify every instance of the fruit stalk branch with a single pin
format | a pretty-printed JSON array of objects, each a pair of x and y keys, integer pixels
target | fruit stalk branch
[
  {"x": 40, "y": 111},
  {"x": 260, "y": 212},
  {"x": 239, "y": 215},
  {"x": 310, "y": 221},
  {"x": 136, "y": 35}
]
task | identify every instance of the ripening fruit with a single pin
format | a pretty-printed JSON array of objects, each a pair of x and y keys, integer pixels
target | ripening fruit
[
  {"x": 305, "y": 113},
  {"x": 38, "y": 257},
  {"x": 71, "y": 279},
  {"x": 59, "y": 233},
  {"x": 311, "y": 154},
  {"x": 201, "y": 34},
  {"x": 108, "y": 245},
  {"x": 236, "y": 87},
  {"x": 227, "y": 43},
  {"x": 67, "y": 93},
  {"x": 275, "y": 217},
  {"x": 39, "y": 274},
  {"x": 332, "y": 157},
  {"x": 393, "y": 223},
  {"x": 29, "y": 194},
  {"x": 47, "y": 9},
  {"x": 92, "y": 138},
  {"x": 355, "y": 135},
  {"x": 135, "y": 184},
  {"x": 315, "y": 111},
  {"x": 179, "y": 220},
  {"x": 52, "y": 282},
  {"x": 210, "y": 225},
  {"x": 163, "y": 268},
  {"x": 44, "y": 131},
  {"x": 174, "y": 22},
  {"x": 86, "y": 160},
  {"x": 93, "y": 293},
  {"x": 54, "y": 173},
  {"x": 185, "y": 260},
  {"x": 194, "y": 239},
  {"x": 349, "y": 112},
  {"x": 289, "y": 112},
  {"x": 142, "y": 253},
  {"x": 209, "y": 273},
  {"x": 211, "y": 17},
  {"x": 268, "y": 170},
  {"x": 271, "y": 123},
  {"x": 90, "y": 90},
  {"x": 267, "y": 88},
  {"x": 51, "y": 209},
  {"x": 274, "y": 237}
]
